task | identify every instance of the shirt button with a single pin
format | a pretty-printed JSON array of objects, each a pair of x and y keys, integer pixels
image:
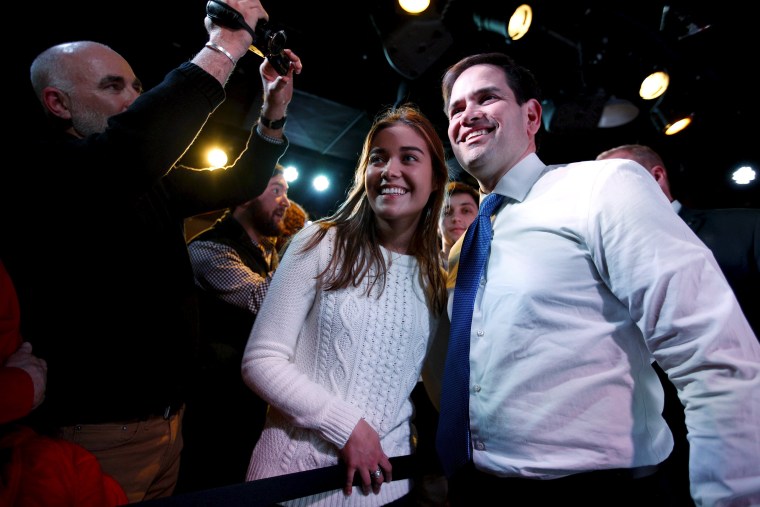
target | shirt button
[
  {"x": 480, "y": 332},
  {"x": 477, "y": 388},
  {"x": 480, "y": 446}
]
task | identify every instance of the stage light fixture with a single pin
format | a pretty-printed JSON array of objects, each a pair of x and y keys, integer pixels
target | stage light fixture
[
  {"x": 519, "y": 22},
  {"x": 617, "y": 112},
  {"x": 654, "y": 85},
  {"x": 668, "y": 119},
  {"x": 411, "y": 43},
  {"x": 513, "y": 29},
  {"x": 587, "y": 111}
]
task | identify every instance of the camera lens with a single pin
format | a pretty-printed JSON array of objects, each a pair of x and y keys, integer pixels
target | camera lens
[
  {"x": 276, "y": 41},
  {"x": 269, "y": 41},
  {"x": 270, "y": 45}
]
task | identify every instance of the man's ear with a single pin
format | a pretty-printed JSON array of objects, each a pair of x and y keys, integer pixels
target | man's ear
[
  {"x": 534, "y": 115},
  {"x": 659, "y": 173},
  {"x": 57, "y": 102}
]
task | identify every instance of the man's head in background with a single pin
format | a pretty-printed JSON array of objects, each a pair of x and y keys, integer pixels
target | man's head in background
[
  {"x": 647, "y": 157},
  {"x": 265, "y": 213}
]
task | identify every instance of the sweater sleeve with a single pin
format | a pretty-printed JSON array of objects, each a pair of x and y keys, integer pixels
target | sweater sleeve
[
  {"x": 199, "y": 190},
  {"x": 269, "y": 363}
]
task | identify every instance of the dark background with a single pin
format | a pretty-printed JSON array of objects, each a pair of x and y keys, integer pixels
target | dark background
[{"x": 361, "y": 56}]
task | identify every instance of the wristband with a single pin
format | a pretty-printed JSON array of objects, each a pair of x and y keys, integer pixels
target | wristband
[
  {"x": 220, "y": 49},
  {"x": 272, "y": 124},
  {"x": 267, "y": 138}
]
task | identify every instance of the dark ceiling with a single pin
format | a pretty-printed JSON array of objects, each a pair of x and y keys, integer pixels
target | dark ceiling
[{"x": 360, "y": 56}]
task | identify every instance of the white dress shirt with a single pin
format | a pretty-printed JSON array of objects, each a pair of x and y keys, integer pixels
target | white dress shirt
[{"x": 592, "y": 274}]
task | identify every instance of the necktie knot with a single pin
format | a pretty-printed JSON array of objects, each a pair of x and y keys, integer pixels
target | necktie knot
[{"x": 489, "y": 204}]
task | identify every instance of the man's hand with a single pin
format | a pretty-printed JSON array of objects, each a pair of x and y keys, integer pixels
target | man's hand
[
  {"x": 237, "y": 40},
  {"x": 278, "y": 90}
]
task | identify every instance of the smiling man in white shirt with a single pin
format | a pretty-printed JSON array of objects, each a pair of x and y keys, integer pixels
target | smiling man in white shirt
[{"x": 590, "y": 275}]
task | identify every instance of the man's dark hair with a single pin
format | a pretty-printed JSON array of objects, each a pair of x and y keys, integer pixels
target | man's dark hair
[{"x": 521, "y": 80}]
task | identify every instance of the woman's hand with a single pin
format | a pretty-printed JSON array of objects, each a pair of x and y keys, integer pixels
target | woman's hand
[{"x": 363, "y": 454}]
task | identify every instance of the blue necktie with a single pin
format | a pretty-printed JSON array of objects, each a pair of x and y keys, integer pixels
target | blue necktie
[{"x": 453, "y": 436}]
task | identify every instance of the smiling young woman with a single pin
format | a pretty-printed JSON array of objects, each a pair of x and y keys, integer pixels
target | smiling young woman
[{"x": 341, "y": 337}]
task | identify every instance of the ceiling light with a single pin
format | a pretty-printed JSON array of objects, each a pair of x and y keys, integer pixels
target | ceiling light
[
  {"x": 654, "y": 85},
  {"x": 290, "y": 173},
  {"x": 677, "y": 126},
  {"x": 414, "y": 6},
  {"x": 216, "y": 157},
  {"x": 515, "y": 28},
  {"x": 617, "y": 112},
  {"x": 744, "y": 175},
  {"x": 519, "y": 23},
  {"x": 320, "y": 183},
  {"x": 670, "y": 120}
]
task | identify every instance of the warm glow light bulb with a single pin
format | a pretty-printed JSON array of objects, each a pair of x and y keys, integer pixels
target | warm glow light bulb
[
  {"x": 414, "y": 6},
  {"x": 519, "y": 23},
  {"x": 677, "y": 126},
  {"x": 654, "y": 85},
  {"x": 216, "y": 157}
]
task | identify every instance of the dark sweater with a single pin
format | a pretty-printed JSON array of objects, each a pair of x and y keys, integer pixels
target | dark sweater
[
  {"x": 733, "y": 236},
  {"x": 223, "y": 323},
  {"x": 220, "y": 393},
  {"x": 97, "y": 251}
]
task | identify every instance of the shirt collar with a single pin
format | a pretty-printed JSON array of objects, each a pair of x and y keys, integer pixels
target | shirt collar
[{"x": 518, "y": 181}]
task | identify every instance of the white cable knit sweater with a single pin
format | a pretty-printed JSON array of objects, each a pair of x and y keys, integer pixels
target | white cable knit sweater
[{"x": 325, "y": 359}]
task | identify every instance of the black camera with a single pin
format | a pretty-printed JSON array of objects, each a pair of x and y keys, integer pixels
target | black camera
[
  {"x": 267, "y": 43},
  {"x": 271, "y": 43}
]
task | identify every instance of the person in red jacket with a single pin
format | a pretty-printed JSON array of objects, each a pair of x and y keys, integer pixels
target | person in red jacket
[{"x": 37, "y": 470}]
